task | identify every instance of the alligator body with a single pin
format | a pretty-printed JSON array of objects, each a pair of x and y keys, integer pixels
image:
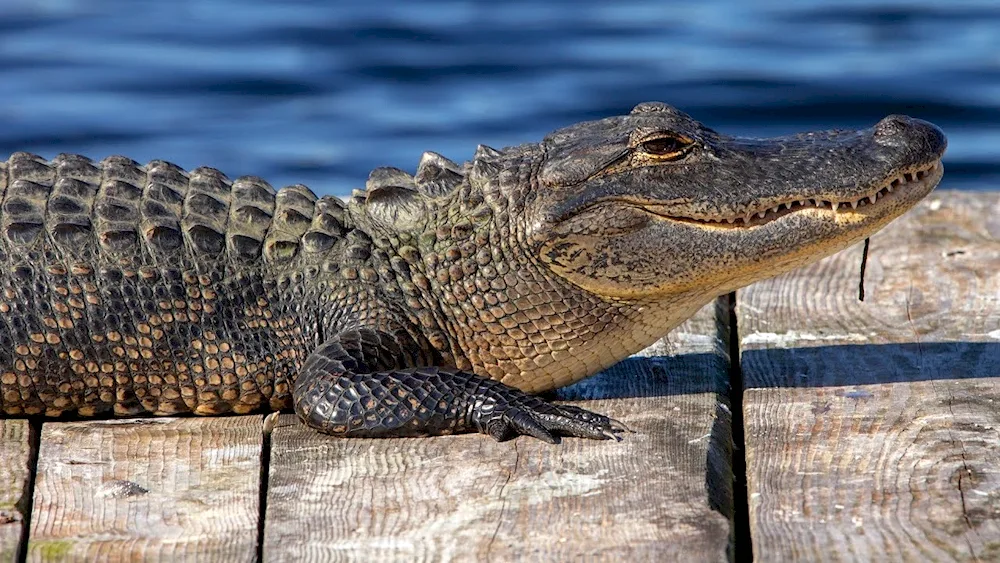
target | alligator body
[{"x": 431, "y": 303}]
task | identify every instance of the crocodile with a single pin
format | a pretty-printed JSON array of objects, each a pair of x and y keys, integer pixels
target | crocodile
[{"x": 426, "y": 304}]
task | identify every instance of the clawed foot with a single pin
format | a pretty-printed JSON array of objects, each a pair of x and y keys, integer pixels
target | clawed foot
[
  {"x": 336, "y": 393},
  {"x": 531, "y": 416}
]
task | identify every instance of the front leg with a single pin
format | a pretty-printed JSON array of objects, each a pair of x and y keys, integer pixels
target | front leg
[{"x": 359, "y": 384}]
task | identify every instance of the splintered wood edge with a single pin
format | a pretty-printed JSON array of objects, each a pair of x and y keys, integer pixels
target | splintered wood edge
[
  {"x": 129, "y": 489},
  {"x": 15, "y": 479}
]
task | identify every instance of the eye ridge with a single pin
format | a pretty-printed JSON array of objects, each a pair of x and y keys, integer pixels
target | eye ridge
[{"x": 666, "y": 146}]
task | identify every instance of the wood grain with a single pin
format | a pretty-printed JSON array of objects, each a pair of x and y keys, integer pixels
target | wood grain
[
  {"x": 15, "y": 478},
  {"x": 873, "y": 429},
  {"x": 663, "y": 493},
  {"x": 148, "y": 489}
]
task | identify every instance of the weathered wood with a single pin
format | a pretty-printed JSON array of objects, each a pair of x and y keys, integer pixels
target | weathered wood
[
  {"x": 873, "y": 429},
  {"x": 15, "y": 478},
  {"x": 663, "y": 493},
  {"x": 149, "y": 489}
]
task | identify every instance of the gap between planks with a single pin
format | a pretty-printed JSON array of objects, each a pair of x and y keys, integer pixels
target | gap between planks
[
  {"x": 196, "y": 488},
  {"x": 663, "y": 493},
  {"x": 873, "y": 429}
]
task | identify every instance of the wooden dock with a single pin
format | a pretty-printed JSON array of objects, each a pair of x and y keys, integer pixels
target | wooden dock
[{"x": 865, "y": 432}]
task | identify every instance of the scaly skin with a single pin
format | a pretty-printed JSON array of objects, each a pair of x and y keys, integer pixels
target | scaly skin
[{"x": 426, "y": 304}]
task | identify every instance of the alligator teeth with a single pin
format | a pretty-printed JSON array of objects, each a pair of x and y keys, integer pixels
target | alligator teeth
[{"x": 836, "y": 206}]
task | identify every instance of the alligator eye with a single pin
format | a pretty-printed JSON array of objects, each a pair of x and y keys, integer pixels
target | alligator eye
[{"x": 670, "y": 148}]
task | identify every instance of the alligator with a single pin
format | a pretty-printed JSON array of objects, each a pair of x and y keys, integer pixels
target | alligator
[{"x": 426, "y": 304}]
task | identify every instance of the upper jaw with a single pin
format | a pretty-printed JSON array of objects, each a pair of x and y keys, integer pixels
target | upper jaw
[{"x": 914, "y": 183}]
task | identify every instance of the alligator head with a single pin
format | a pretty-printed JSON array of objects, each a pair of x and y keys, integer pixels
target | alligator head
[
  {"x": 655, "y": 203},
  {"x": 548, "y": 262}
]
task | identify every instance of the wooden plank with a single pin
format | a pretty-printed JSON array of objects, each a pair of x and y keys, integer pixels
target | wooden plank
[
  {"x": 15, "y": 482},
  {"x": 873, "y": 429},
  {"x": 663, "y": 493},
  {"x": 148, "y": 489}
]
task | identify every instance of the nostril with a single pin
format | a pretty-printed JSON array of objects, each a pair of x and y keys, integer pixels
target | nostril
[
  {"x": 905, "y": 131},
  {"x": 892, "y": 125}
]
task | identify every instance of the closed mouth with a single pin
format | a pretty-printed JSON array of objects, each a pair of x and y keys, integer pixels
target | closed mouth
[{"x": 906, "y": 181}]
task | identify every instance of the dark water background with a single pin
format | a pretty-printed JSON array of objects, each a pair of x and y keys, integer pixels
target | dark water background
[{"x": 321, "y": 92}]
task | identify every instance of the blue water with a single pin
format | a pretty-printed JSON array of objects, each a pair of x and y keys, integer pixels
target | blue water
[{"x": 321, "y": 92}]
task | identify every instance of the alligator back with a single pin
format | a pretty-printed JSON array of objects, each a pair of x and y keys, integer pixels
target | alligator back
[
  {"x": 148, "y": 288},
  {"x": 124, "y": 212}
]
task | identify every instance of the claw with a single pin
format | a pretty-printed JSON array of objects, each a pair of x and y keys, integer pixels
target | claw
[
  {"x": 612, "y": 436},
  {"x": 510, "y": 412},
  {"x": 619, "y": 426}
]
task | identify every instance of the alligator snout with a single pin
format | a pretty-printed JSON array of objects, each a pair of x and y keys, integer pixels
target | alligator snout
[{"x": 903, "y": 130}]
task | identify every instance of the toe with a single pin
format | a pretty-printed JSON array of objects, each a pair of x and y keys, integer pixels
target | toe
[{"x": 526, "y": 424}]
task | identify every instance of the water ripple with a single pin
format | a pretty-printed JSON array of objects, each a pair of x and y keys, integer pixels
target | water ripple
[{"x": 316, "y": 92}]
